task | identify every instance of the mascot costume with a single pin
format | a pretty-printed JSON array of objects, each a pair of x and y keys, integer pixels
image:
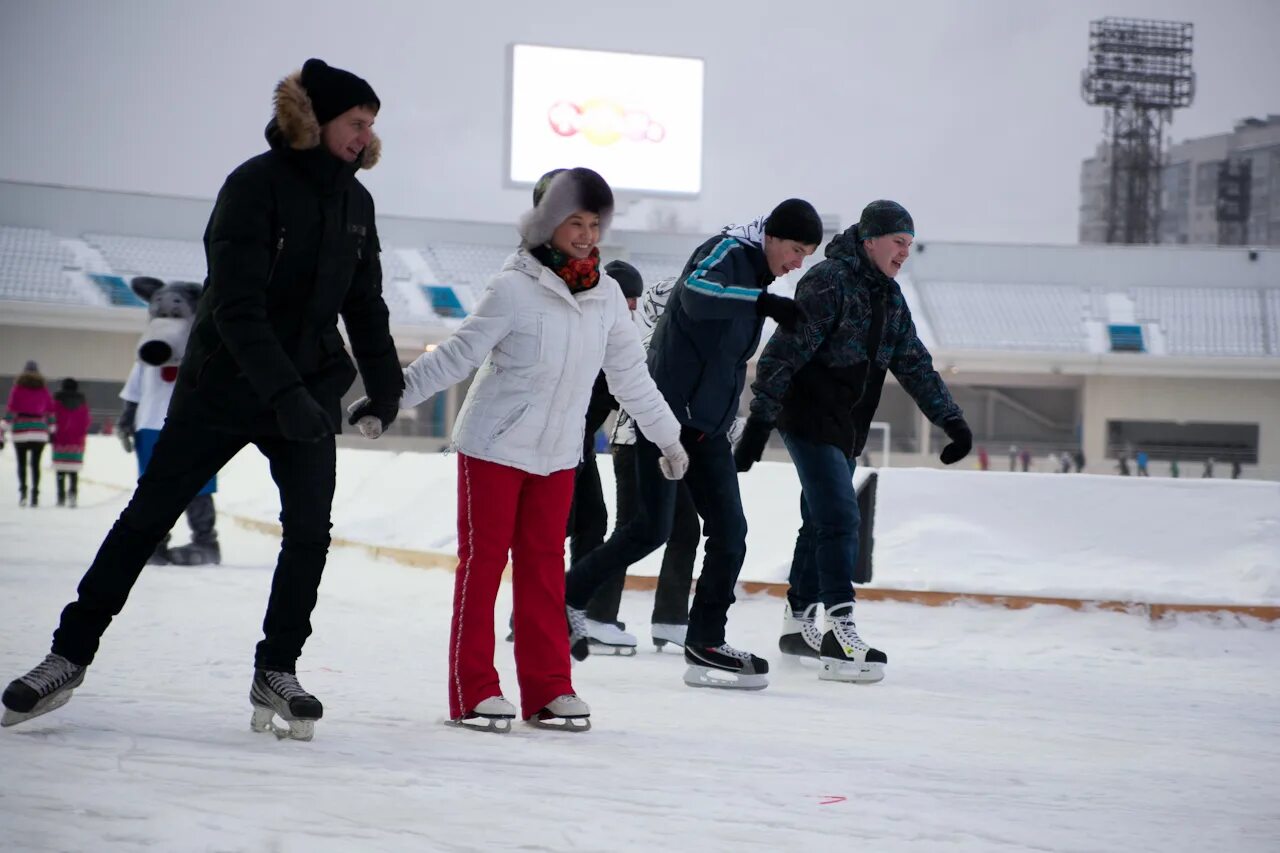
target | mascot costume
[{"x": 171, "y": 309}]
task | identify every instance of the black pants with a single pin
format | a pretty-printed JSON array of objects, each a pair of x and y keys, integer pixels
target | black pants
[
  {"x": 713, "y": 483},
  {"x": 588, "y": 515},
  {"x": 185, "y": 457},
  {"x": 671, "y": 602},
  {"x": 68, "y": 484},
  {"x": 28, "y": 453}
]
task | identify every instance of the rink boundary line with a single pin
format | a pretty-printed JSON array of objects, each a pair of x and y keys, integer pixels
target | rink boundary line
[{"x": 930, "y": 598}]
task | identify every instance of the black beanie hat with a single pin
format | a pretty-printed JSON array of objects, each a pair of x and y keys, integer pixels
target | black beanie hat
[
  {"x": 627, "y": 277},
  {"x": 70, "y": 384},
  {"x": 334, "y": 91},
  {"x": 884, "y": 217},
  {"x": 795, "y": 219}
]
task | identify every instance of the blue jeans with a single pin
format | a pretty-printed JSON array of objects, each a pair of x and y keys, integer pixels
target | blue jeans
[{"x": 827, "y": 545}]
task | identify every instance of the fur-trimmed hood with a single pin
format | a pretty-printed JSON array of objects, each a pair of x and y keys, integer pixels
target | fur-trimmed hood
[{"x": 294, "y": 122}]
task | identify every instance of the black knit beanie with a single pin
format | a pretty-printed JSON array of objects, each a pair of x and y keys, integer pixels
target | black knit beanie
[
  {"x": 885, "y": 217},
  {"x": 627, "y": 277},
  {"x": 795, "y": 219},
  {"x": 334, "y": 91}
]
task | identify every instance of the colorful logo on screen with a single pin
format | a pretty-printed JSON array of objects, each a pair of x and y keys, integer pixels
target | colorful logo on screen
[{"x": 603, "y": 122}]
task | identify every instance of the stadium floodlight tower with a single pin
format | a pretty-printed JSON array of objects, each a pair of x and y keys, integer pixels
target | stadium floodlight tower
[{"x": 1140, "y": 70}]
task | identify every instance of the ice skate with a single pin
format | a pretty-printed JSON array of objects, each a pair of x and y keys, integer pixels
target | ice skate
[
  {"x": 845, "y": 657},
  {"x": 665, "y": 633},
  {"x": 492, "y": 715},
  {"x": 46, "y": 688},
  {"x": 607, "y": 638},
  {"x": 801, "y": 636},
  {"x": 565, "y": 713},
  {"x": 725, "y": 667},
  {"x": 579, "y": 640},
  {"x": 196, "y": 554},
  {"x": 278, "y": 694}
]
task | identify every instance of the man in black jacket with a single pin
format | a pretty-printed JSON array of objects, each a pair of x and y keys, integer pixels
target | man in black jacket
[
  {"x": 698, "y": 359},
  {"x": 820, "y": 385},
  {"x": 291, "y": 245}
]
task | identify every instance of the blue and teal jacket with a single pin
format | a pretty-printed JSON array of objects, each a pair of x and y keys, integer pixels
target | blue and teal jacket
[
  {"x": 819, "y": 382},
  {"x": 710, "y": 330}
]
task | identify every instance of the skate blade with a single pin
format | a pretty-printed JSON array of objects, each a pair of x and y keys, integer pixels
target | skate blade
[
  {"x": 482, "y": 723},
  {"x": 264, "y": 720},
  {"x": 659, "y": 643},
  {"x": 851, "y": 672},
  {"x": 705, "y": 676},
  {"x": 53, "y": 703},
  {"x": 616, "y": 651},
  {"x": 575, "y": 725}
]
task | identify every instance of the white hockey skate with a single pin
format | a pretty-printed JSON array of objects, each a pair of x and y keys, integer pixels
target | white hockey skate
[
  {"x": 565, "y": 713},
  {"x": 725, "y": 667},
  {"x": 46, "y": 688},
  {"x": 606, "y": 638},
  {"x": 801, "y": 637},
  {"x": 845, "y": 657},
  {"x": 492, "y": 715},
  {"x": 278, "y": 694},
  {"x": 664, "y": 633}
]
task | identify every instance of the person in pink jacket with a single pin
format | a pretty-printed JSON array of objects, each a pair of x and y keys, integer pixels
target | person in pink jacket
[
  {"x": 30, "y": 420},
  {"x": 72, "y": 415}
]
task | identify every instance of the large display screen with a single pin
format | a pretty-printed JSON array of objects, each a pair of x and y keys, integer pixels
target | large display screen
[{"x": 635, "y": 119}]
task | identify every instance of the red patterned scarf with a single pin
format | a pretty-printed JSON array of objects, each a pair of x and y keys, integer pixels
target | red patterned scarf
[{"x": 579, "y": 274}]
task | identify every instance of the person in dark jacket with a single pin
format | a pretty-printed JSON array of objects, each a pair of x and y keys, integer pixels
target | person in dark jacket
[
  {"x": 820, "y": 385},
  {"x": 291, "y": 246},
  {"x": 698, "y": 357}
]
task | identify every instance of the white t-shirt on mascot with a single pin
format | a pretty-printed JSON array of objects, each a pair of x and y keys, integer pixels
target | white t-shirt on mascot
[{"x": 151, "y": 388}]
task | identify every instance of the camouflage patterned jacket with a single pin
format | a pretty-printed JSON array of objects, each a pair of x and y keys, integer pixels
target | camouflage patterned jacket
[{"x": 817, "y": 382}]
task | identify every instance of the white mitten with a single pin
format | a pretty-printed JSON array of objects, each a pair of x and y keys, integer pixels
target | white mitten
[{"x": 674, "y": 461}]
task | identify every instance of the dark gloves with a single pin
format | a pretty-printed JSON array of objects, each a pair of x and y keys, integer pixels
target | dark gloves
[
  {"x": 125, "y": 425},
  {"x": 961, "y": 441},
  {"x": 300, "y": 417},
  {"x": 371, "y": 417},
  {"x": 755, "y": 435},
  {"x": 779, "y": 308}
]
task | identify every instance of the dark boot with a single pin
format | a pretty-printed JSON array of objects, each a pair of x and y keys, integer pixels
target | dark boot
[
  {"x": 203, "y": 550},
  {"x": 160, "y": 556}
]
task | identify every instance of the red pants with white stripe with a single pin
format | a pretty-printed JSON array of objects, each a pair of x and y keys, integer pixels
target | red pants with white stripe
[{"x": 500, "y": 510}]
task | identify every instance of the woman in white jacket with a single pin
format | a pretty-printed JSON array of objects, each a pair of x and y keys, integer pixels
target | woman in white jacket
[{"x": 541, "y": 332}]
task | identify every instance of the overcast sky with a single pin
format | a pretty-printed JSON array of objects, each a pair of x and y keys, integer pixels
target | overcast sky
[{"x": 969, "y": 113}]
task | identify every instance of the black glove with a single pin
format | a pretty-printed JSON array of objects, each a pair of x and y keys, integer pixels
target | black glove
[
  {"x": 780, "y": 308},
  {"x": 300, "y": 417},
  {"x": 365, "y": 407},
  {"x": 125, "y": 425},
  {"x": 961, "y": 441},
  {"x": 755, "y": 435}
]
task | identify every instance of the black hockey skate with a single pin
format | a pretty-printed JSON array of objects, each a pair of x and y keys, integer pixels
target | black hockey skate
[
  {"x": 845, "y": 657},
  {"x": 279, "y": 694},
  {"x": 46, "y": 688},
  {"x": 565, "y": 713},
  {"x": 725, "y": 667},
  {"x": 801, "y": 637}
]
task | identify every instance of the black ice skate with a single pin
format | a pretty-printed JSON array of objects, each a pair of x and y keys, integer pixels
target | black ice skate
[
  {"x": 492, "y": 715},
  {"x": 579, "y": 641},
  {"x": 845, "y": 657},
  {"x": 607, "y": 638},
  {"x": 46, "y": 688},
  {"x": 565, "y": 713},
  {"x": 726, "y": 667},
  {"x": 278, "y": 694},
  {"x": 196, "y": 554},
  {"x": 801, "y": 637}
]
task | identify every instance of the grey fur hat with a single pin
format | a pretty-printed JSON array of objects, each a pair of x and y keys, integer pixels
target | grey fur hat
[{"x": 557, "y": 195}]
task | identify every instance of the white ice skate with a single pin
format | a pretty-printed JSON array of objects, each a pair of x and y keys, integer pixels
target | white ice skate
[
  {"x": 492, "y": 715},
  {"x": 845, "y": 657},
  {"x": 565, "y": 713},
  {"x": 664, "y": 633},
  {"x": 725, "y": 667},
  {"x": 606, "y": 638},
  {"x": 801, "y": 637},
  {"x": 278, "y": 694},
  {"x": 46, "y": 688}
]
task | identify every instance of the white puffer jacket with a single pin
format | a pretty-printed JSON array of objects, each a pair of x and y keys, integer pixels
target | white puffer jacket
[{"x": 539, "y": 349}]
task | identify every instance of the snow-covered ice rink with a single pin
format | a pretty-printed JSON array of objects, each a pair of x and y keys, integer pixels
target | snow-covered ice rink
[{"x": 995, "y": 730}]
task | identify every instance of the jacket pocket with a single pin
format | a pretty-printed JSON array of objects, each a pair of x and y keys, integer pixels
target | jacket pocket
[
  {"x": 523, "y": 347},
  {"x": 509, "y": 422}
]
